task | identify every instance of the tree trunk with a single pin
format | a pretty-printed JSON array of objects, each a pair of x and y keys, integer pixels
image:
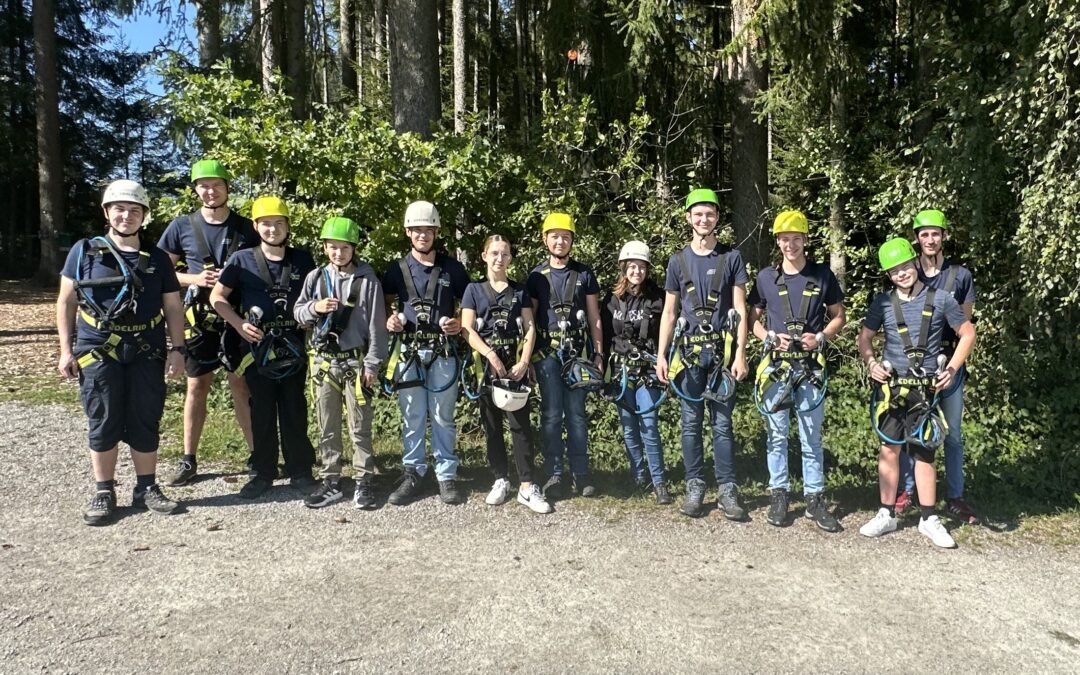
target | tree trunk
[
  {"x": 347, "y": 55},
  {"x": 414, "y": 56},
  {"x": 208, "y": 28},
  {"x": 295, "y": 56},
  {"x": 492, "y": 61},
  {"x": 838, "y": 202},
  {"x": 460, "y": 69},
  {"x": 268, "y": 53},
  {"x": 379, "y": 69},
  {"x": 749, "y": 152},
  {"x": 50, "y": 164},
  {"x": 521, "y": 73}
]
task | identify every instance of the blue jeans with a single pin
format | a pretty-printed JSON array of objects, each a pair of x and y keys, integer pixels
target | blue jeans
[
  {"x": 644, "y": 430},
  {"x": 813, "y": 457},
  {"x": 417, "y": 404},
  {"x": 559, "y": 404},
  {"x": 693, "y": 417},
  {"x": 952, "y": 406}
]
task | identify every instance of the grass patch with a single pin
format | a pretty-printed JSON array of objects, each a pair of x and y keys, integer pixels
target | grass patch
[{"x": 40, "y": 390}]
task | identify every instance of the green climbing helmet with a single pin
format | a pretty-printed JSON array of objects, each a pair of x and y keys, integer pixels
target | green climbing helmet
[
  {"x": 341, "y": 229},
  {"x": 930, "y": 218},
  {"x": 701, "y": 196},
  {"x": 209, "y": 168},
  {"x": 895, "y": 252}
]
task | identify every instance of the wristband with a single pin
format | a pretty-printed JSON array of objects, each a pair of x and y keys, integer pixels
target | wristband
[{"x": 179, "y": 348}]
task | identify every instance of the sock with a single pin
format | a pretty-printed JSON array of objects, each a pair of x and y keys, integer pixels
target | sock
[
  {"x": 891, "y": 508},
  {"x": 190, "y": 459},
  {"x": 143, "y": 482},
  {"x": 926, "y": 511},
  {"x": 105, "y": 485}
]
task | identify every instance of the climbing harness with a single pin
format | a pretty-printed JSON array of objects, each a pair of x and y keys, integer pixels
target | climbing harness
[
  {"x": 413, "y": 353},
  {"x": 327, "y": 361},
  {"x": 507, "y": 339},
  {"x": 632, "y": 363},
  {"x": 278, "y": 355}
]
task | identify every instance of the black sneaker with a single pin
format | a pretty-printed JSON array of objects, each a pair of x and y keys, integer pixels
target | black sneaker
[
  {"x": 154, "y": 500},
  {"x": 727, "y": 498},
  {"x": 583, "y": 486},
  {"x": 693, "y": 504},
  {"x": 102, "y": 508},
  {"x": 450, "y": 493},
  {"x": 364, "y": 496},
  {"x": 818, "y": 511},
  {"x": 304, "y": 483},
  {"x": 255, "y": 488},
  {"x": 184, "y": 474},
  {"x": 662, "y": 495},
  {"x": 553, "y": 488},
  {"x": 326, "y": 494},
  {"x": 777, "y": 507},
  {"x": 408, "y": 489}
]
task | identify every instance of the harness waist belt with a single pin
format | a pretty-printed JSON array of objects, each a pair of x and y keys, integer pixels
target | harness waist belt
[
  {"x": 791, "y": 356},
  {"x": 278, "y": 323},
  {"x": 120, "y": 328},
  {"x": 913, "y": 381}
]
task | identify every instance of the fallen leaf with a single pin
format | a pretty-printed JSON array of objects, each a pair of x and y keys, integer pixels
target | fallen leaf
[
  {"x": 231, "y": 479},
  {"x": 341, "y": 519},
  {"x": 141, "y": 547},
  {"x": 213, "y": 527},
  {"x": 6, "y": 546}
]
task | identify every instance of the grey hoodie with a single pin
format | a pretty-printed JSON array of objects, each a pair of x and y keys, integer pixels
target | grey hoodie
[{"x": 367, "y": 323}]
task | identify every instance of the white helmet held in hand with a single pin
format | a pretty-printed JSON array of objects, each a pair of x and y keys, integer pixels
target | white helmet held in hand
[
  {"x": 509, "y": 395},
  {"x": 635, "y": 250},
  {"x": 421, "y": 214}
]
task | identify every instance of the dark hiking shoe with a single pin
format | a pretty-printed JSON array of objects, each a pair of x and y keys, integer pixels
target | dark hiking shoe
[
  {"x": 778, "y": 504},
  {"x": 326, "y": 494},
  {"x": 663, "y": 497},
  {"x": 154, "y": 500},
  {"x": 408, "y": 488},
  {"x": 553, "y": 488},
  {"x": 364, "y": 497},
  {"x": 727, "y": 498},
  {"x": 450, "y": 493},
  {"x": 304, "y": 483},
  {"x": 693, "y": 504},
  {"x": 255, "y": 488},
  {"x": 583, "y": 486},
  {"x": 818, "y": 511},
  {"x": 961, "y": 510},
  {"x": 185, "y": 472},
  {"x": 102, "y": 508}
]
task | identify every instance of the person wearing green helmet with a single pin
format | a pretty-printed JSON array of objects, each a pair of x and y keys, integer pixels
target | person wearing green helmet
[
  {"x": 341, "y": 305},
  {"x": 936, "y": 271},
  {"x": 203, "y": 241},
  {"x": 909, "y": 381},
  {"x": 702, "y": 350}
]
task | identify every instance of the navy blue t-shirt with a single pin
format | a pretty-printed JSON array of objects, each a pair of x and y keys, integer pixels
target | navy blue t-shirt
[
  {"x": 540, "y": 290},
  {"x": 623, "y": 317},
  {"x": 242, "y": 275},
  {"x": 476, "y": 299},
  {"x": 946, "y": 313},
  {"x": 701, "y": 269},
  {"x": 963, "y": 287},
  {"x": 766, "y": 295},
  {"x": 453, "y": 280},
  {"x": 158, "y": 278},
  {"x": 179, "y": 239}
]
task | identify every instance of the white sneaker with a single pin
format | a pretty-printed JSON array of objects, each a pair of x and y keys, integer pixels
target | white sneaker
[
  {"x": 881, "y": 523},
  {"x": 534, "y": 499},
  {"x": 500, "y": 492},
  {"x": 936, "y": 532}
]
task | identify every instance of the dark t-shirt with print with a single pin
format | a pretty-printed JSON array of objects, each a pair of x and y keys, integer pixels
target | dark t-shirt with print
[
  {"x": 179, "y": 239},
  {"x": 514, "y": 295},
  {"x": 766, "y": 295},
  {"x": 963, "y": 287},
  {"x": 453, "y": 280},
  {"x": 623, "y": 318},
  {"x": 701, "y": 269},
  {"x": 243, "y": 276},
  {"x": 540, "y": 288}
]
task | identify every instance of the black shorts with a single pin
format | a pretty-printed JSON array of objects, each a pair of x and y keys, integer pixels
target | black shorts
[
  {"x": 203, "y": 354},
  {"x": 124, "y": 399},
  {"x": 897, "y": 423}
]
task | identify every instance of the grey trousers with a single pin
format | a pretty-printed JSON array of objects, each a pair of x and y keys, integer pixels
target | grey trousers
[{"x": 329, "y": 401}]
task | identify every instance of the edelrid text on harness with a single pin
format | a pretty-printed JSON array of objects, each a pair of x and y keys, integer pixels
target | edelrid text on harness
[
  {"x": 507, "y": 339},
  {"x": 278, "y": 355},
  {"x": 201, "y": 317},
  {"x": 326, "y": 355},
  {"x": 412, "y": 353},
  {"x": 632, "y": 363},
  {"x": 108, "y": 315}
]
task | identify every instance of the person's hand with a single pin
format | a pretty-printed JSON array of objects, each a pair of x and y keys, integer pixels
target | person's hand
[
  {"x": 450, "y": 326},
  {"x": 783, "y": 343},
  {"x": 598, "y": 361},
  {"x": 369, "y": 378},
  {"x": 496, "y": 363},
  {"x": 809, "y": 341},
  {"x": 661, "y": 368},
  {"x": 739, "y": 369},
  {"x": 944, "y": 378},
  {"x": 207, "y": 278},
  {"x": 68, "y": 365},
  {"x": 520, "y": 369},
  {"x": 326, "y": 305},
  {"x": 250, "y": 332},
  {"x": 878, "y": 372},
  {"x": 174, "y": 365},
  {"x": 394, "y": 324}
]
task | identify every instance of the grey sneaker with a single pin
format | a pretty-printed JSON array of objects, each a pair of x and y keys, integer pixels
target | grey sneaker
[
  {"x": 583, "y": 486},
  {"x": 553, "y": 488},
  {"x": 818, "y": 511},
  {"x": 695, "y": 498},
  {"x": 364, "y": 497},
  {"x": 326, "y": 494},
  {"x": 185, "y": 472},
  {"x": 727, "y": 498},
  {"x": 778, "y": 505},
  {"x": 154, "y": 500},
  {"x": 102, "y": 508},
  {"x": 663, "y": 497}
]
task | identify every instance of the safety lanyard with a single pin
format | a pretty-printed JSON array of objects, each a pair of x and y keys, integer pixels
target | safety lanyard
[
  {"x": 339, "y": 318},
  {"x": 97, "y": 247},
  {"x": 703, "y": 310},
  {"x": 424, "y": 307},
  {"x": 915, "y": 354},
  {"x": 565, "y": 300},
  {"x": 229, "y": 244},
  {"x": 795, "y": 324},
  {"x": 279, "y": 289}
]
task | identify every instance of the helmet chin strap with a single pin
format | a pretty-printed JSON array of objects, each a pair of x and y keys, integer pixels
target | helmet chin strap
[
  {"x": 560, "y": 257},
  {"x": 422, "y": 252}
]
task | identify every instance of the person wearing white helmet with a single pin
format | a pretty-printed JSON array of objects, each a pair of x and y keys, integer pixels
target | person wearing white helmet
[
  {"x": 497, "y": 315},
  {"x": 422, "y": 290},
  {"x": 115, "y": 291},
  {"x": 631, "y": 317}
]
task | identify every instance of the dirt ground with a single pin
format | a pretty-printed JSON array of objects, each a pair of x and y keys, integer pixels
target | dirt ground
[{"x": 28, "y": 342}]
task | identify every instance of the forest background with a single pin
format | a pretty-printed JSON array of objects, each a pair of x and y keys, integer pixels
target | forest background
[{"x": 858, "y": 113}]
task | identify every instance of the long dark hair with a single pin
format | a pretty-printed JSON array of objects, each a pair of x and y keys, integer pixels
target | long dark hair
[{"x": 623, "y": 286}]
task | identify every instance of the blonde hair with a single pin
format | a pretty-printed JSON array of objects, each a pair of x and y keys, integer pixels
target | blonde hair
[{"x": 495, "y": 238}]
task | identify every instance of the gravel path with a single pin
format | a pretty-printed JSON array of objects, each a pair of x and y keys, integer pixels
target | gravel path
[{"x": 275, "y": 587}]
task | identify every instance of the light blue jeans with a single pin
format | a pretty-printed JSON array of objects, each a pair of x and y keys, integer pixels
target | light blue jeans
[
  {"x": 952, "y": 407},
  {"x": 642, "y": 432},
  {"x": 558, "y": 405},
  {"x": 779, "y": 426},
  {"x": 417, "y": 404}
]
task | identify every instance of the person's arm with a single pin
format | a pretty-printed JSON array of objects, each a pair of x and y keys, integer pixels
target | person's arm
[
  {"x": 757, "y": 326},
  {"x": 522, "y": 366},
  {"x": 667, "y": 325},
  {"x": 739, "y": 368},
  {"x": 219, "y": 299},
  {"x": 67, "y": 304},
  {"x": 966, "y": 342},
  {"x": 865, "y": 344},
  {"x": 307, "y": 311},
  {"x": 173, "y": 308},
  {"x": 377, "y": 337},
  {"x": 837, "y": 318},
  {"x": 468, "y": 321}
]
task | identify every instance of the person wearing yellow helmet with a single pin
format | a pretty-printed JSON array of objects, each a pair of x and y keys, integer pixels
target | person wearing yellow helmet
[
  {"x": 267, "y": 280},
  {"x": 565, "y": 304},
  {"x": 202, "y": 242},
  {"x": 115, "y": 290},
  {"x": 797, "y": 306},
  {"x": 909, "y": 381},
  {"x": 705, "y": 291}
]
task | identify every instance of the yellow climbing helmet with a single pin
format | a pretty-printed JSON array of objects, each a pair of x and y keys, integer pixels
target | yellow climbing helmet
[
  {"x": 558, "y": 221},
  {"x": 269, "y": 206},
  {"x": 791, "y": 221}
]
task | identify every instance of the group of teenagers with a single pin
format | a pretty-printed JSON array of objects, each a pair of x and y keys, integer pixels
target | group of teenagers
[{"x": 220, "y": 291}]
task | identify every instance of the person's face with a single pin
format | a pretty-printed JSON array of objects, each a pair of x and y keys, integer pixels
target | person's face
[
  {"x": 636, "y": 271},
  {"x": 497, "y": 256},
  {"x": 340, "y": 253},
  {"x": 791, "y": 244},
  {"x": 125, "y": 217},
  {"x": 702, "y": 218},
  {"x": 559, "y": 242},
  {"x": 273, "y": 229},
  {"x": 930, "y": 239},
  {"x": 214, "y": 192},
  {"x": 422, "y": 238},
  {"x": 904, "y": 276}
]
